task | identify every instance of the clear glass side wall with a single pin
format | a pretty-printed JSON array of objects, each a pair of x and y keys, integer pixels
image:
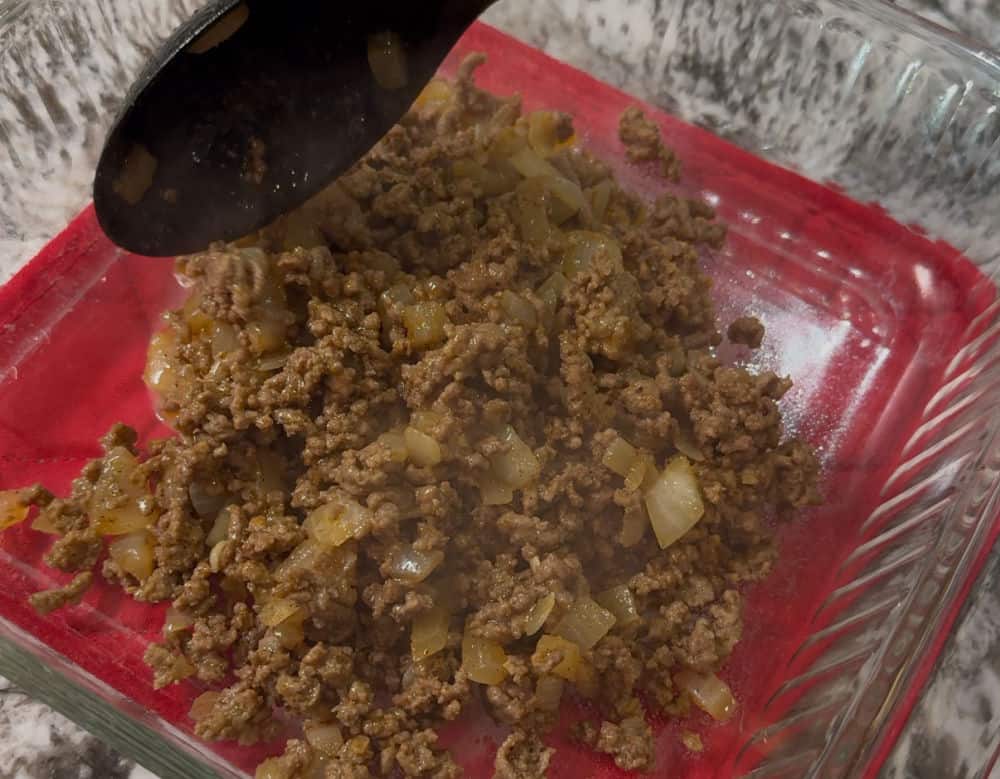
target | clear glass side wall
[{"x": 854, "y": 93}]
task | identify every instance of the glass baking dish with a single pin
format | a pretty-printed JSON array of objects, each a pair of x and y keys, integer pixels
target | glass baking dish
[{"x": 817, "y": 129}]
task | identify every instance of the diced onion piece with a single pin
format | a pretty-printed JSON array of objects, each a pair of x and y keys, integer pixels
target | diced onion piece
[
  {"x": 429, "y": 634},
  {"x": 13, "y": 509},
  {"x": 224, "y": 339},
  {"x": 290, "y": 633},
  {"x": 674, "y": 502},
  {"x": 277, "y": 610},
  {"x": 412, "y": 566},
  {"x": 518, "y": 309},
  {"x": 559, "y": 212},
  {"x": 549, "y": 691},
  {"x": 175, "y": 622},
  {"x": 641, "y": 473},
  {"x": 424, "y": 451},
  {"x": 483, "y": 659},
  {"x": 600, "y": 196},
  {"x": 585, "y": 623},
  {"x": 325, "y": 738},
  {"x": 435, "y": 96},
  {"x": 317, "y": 561},
  {"x": 543, "y": 132},
  {"x": 529, "y": 164},
  {"x": 634, "y": 525},
  {"x": 395, "y": 442},
  {"x": 207, "y": 498},
  {"x": 619, "y": 456},
  {"x": 551, "y": 291},
  {"x": 569, "y": 666},
  {"x": 536, "y": 616},
  {"x": 531, "y": 210},
  {"x": 709, "y": 693},
  {"x": 621, "y": 603},
  {"x": 494, "y": 492},
  {"x": 116, "y": 504},
  {"x": 425, "y": 323},
  {"x": 160, "y": 375},
  {"x": 506, "y": 143},
  {"x": 266, "y": 335},
  {"x": 518, "y": 466},
  {"x": 220, "y": 529},
  {"x": 337, "y": 522},
  {"x": 273, "y": 362},
  {"x": 567, "y": 193},
  {"x": 387, "y": 59},
  {"x": 583, "y": 246},
  {"x": 220, "y": 556},
  {"x": 198, "y": 321},
  {"x": 395, "y": 299},
  {"x": 203, "y": 705},
  {"x": 134, "y": 554},
  {"x": 43, "y": 524}
]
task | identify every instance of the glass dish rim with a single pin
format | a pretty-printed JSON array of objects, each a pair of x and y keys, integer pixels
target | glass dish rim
[{"x": 958, "y": 45}]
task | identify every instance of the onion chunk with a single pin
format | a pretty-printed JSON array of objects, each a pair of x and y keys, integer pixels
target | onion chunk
[
  {"x": 325, "y": 738},
  {"x": 585, "y": 623},
  {"x": 570, "y": 661},
  {"x": 425, "y": 324},
  {"x": 412, "y": 566},
  {"x": 709, "y": 693},
  {"x": 483, "y": 659},
  {"x": 674, "y": 502},
  {"x": 116, "y": 507},
  {"x": 337, "y": 522},
  {"x": 134, "y": 554},
  {"x": 494, "y": 492},
  {"x": 621, "y": 603},
  {"x": 276, "y": 611},
  {"x": 423, "y": 449},
  {"x": 518, "y": 466},
  {"x": 429, "y": 634},
  {"x": 536, "y": 616},
  {"x": 12, "y": 508},
  {"x": 619, "y": 456}
]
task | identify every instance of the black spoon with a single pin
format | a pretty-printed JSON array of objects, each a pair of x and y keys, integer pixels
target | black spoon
[{"x": 253, "y": 106}]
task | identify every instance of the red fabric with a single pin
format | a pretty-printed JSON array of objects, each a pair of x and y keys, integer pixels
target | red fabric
[{"x": 864, "y": 314}]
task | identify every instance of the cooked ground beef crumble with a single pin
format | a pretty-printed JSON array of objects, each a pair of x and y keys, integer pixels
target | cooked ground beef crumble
[{"x": 452, "y": 430}]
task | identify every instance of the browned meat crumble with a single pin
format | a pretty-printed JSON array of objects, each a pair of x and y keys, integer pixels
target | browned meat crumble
[
  {"x": 643, "y": 143},
  {"x": 452, "y": 430}
]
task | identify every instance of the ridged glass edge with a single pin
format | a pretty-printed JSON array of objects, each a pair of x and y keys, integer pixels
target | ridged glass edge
[
  {"x": 883, "y": 708},
  {"x": 51, "y": 679}
]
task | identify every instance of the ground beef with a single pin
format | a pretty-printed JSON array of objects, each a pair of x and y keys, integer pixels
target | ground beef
[
  {"x": 50, "y": 600},
  {"x": 395, "y": 409},
  {"x": 629, "y": 743},
  {"x": 643, "y": 143},
  {"x": 746, "y": 330},
  {"x": 522, "y": 756}
]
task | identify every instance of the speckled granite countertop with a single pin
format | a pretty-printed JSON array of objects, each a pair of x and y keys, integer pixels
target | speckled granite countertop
[{"x": 954, "y": 732}]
